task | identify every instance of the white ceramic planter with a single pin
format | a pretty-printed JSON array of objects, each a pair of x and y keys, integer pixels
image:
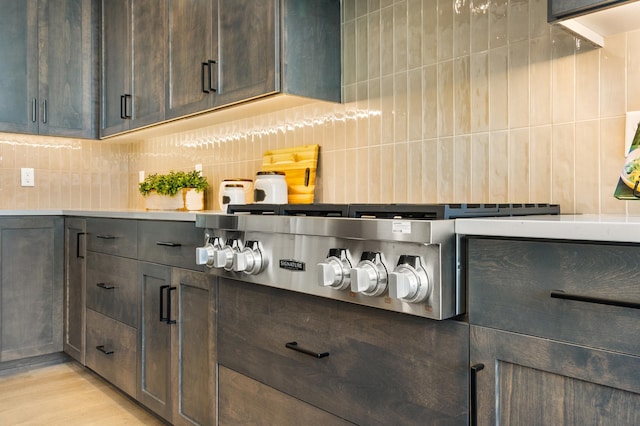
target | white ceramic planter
[{"x": 184, "y": 200}]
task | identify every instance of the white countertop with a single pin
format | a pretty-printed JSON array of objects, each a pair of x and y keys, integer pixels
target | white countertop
[
  {"x": 135, "y": 214},
  {"x": 114, "y": 214},
  {"x": 565, "y": 227}
]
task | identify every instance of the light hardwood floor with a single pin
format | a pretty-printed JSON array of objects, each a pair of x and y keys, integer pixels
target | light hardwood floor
[{"x": 66, "y": 394}]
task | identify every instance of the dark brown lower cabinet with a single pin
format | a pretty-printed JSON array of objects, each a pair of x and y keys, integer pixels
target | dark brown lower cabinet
[
  {"x": 193, "y": 349},
  {"x": 74, "y": 287},
  {"x": 176, "y": 369},
  {"x": 154, "y": 332},
  {"x": 362, "y": 365},
  {"x": 31, "y": 286},
  {"x": 554, "y": 328},
  {"x": 537, "y": 381}
]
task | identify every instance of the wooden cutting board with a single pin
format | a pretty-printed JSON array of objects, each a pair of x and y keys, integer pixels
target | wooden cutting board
[{"x": 299, "y": 165}]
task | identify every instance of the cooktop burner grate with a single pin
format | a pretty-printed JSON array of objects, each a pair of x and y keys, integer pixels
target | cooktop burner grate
[
  {"x": 448, "y": 211},
  {"x": 397, "y": 211}
]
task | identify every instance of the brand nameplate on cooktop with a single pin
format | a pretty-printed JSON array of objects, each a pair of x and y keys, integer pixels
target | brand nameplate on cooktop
[{"x": 291, "y": 265}]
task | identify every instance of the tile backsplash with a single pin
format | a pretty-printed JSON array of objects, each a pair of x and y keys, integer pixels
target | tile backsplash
[
  {"x": 69, "y": 173},
  {"x": 444, "y": 101}
]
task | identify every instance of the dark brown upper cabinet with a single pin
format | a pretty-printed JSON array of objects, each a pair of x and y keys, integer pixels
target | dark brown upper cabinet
[
  {"x": 48, "y": 67},
  {"x": 196, "y": 56},
  {"x": 595, "y": 20},
  {"x": 133, "y": 64}
]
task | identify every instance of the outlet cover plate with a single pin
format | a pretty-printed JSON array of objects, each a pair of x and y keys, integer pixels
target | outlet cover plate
[{"x": 27, "y": 176}]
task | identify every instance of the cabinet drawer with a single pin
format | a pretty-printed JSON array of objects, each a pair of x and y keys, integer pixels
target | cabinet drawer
[
  {"x": 112, "y": 350},
  {"x": 511, "y": 283},
  {"x": 382, "y": 367},
  {"x": 112, "y": 287},
  {"x": 170, "y": 243},
  {"x": 248, "y": 402},
  {"x": 113, "y": 236}
]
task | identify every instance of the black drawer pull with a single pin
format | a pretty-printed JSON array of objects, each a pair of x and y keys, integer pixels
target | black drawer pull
[
  {"x": 473, "y": 390},
  {"x": 34, "y": 110},
  {"x": 294, "y": 346},
  {"x": 559, "y": 294},
  {"x": 169, "y": 320},
  {"x": 106, "y": 237},
  {"x": 168, "y": 244},
  {"x": 103, "y": 350},
  {"x": 202, "y": 76},
  {"x": 105, "y": 286},
  {"x": 78, "y": 251},
  {"x": 162, "y": 317}
]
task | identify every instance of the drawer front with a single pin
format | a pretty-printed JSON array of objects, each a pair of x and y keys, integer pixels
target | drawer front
[
  {"x": 170, "y": 243},
  {"x": 112, "y": 287},
  {"x": 382, "y": 368},
  {"x": 511, "y": 284},
  {"x": 112, "y": 351},
  {"x": 244, "y": 401},
  {"x": 113, "y": 236}
]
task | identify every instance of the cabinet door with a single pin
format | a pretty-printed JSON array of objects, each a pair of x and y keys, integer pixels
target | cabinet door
[
  {"x": 74, "y": 288},
  {"x": 537, "y": 381},
  {"x": 154, "y": 333},
  {"x": 190, "y": 48},
  {"x": 116, "y": 65},
  {"x": 18, "y": 66},
  {"x": 193, "y": 348},
  {"x": 31, "y": 262},
  {"x": 247, "y": 50},
  {"x": 67, "y": 68},
  {"x": 149, "y": 39}
]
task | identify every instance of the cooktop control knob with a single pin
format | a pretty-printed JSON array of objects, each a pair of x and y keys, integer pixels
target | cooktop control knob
[
  {"x": 249, "y": 260},
  {"x": 409, "y": 280},
  {"x": 335, "y": 271},
  {"x": 369, "y": 277},
  {"x": 205, "y": 255},
  {"x": 223, "y": 258}
]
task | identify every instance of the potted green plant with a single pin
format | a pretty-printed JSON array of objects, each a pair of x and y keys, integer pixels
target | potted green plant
[{"x": 174, "y": 191}]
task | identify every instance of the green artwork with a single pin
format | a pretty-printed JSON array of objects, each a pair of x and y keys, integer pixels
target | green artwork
[{"x": 629, "y": 183}]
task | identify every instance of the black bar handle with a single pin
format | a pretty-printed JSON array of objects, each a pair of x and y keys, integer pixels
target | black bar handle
[
  {"x": 126, "y": 112},
  {"x": 44, "y": 111},
  {"x": 105, "y": 237},
  {"x": 294, "y": 346},
  {"x": 78, "y": 255},
  {"x": 122, "y": 107},
  {"x": 202, "y": 77},
  {"x": 168, "y": 244},
  {"x": 559, "y": 294},
  {"x": 103, "y": 350},
  {"x": 213, "y": 88},
  {"x": 473, "y": 390},
  {"x": 162, "y": 317},
  {"x": 169, "y": 320},
  {"x": 105, "y": 286},
  {"x": 34, "y": 110}
]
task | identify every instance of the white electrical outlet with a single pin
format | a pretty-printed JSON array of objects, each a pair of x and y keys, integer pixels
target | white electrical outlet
[
  {"x": 198, "y": 167},
  {"x": 27, "y": 176},
  {"x": 141, "y": 176}
]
